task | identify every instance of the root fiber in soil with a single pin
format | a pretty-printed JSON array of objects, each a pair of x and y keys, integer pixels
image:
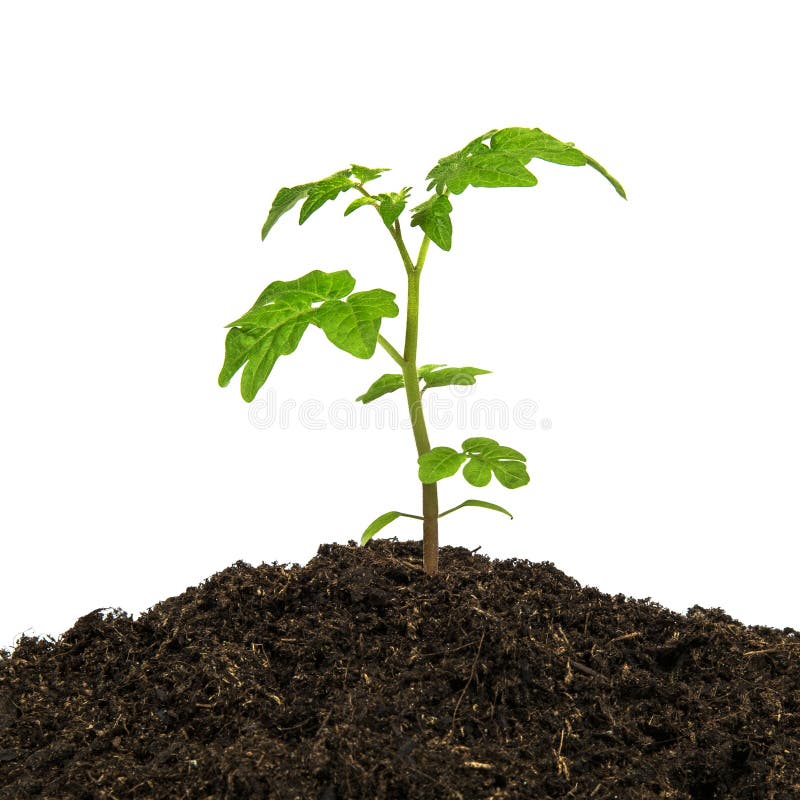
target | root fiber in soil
[{"x": 356, "y": 677}]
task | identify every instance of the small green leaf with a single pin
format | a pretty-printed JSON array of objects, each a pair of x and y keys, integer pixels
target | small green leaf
[
  {"x": 511, "y": 474},
  {"x": 477, "y": 472},
  {"x": 497, "y": 451},
  {"x": 433, "y": 216},
  {"x": 358, "y": 202},
  {"x": 384, "y": 385},
  {"x": 284, "y": 201},
  {"x": 353, "y": 325},
  {"x": 323, "y": 191},
  {"x": 392, "y": 205},
  {"x": 364, "y": 174},
  {"x": 439, "y": 463},
  {"x": 478, "y": 504},
  {"x": 477, "y": 444},
  {"x": 453, "y": 376},
  {"x": 381, "y": 522},
  {"x": 426, "y": 369}
]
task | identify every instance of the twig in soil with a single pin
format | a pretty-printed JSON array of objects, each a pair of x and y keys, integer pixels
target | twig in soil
[{"x": 469, "y": 680}]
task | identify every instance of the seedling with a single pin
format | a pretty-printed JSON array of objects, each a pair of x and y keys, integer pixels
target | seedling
[{"x": 352, "y": 320}]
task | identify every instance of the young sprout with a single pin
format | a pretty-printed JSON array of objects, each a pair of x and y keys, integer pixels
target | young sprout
[{"x": 276, "y": 322}]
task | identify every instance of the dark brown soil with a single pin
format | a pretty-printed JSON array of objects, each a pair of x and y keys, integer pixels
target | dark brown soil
[{"x": 356, "y": 676}]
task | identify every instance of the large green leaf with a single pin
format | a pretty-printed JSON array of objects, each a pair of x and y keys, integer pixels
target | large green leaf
[
  {"x": 502, "y": 161},
  {"x": 453, "y": 376},
  {"x": 265, "y": 334},
  {"x": 439, "y": 463},
  {"x": 433, "y": 216},
  {"x": 276, "y": 322},
  {"x": 384, "y": 385},
  {"x": 353, "y": 324}
]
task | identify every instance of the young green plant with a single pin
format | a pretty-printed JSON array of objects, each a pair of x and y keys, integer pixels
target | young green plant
[{"x": 276, "y": 322}]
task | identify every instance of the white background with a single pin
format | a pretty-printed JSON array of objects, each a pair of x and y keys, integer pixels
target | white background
[{"x": 141, "y": 148}]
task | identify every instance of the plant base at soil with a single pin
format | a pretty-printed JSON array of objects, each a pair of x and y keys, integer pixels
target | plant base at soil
[{"x": 358, "y": 677}]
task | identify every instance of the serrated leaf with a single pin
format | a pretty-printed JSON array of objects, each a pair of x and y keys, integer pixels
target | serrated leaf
[
  {"x": 266, "y": 333},
  {"x": 314, "y": 286},
  {"x": 511, "y": 474},
  {"x": 364, "y": 174},
  {"x": 377, "y": 524},
  {"x": 490, "y": 170},
  {"x": 358, "y": 202},
  {"x": 527, "y": 143},
  {"x": 353, "y": 325},
  {"x": 453, "y": 164},
  {"x": 323, "y": 191},
  {"x": 439, "y": 463},
  {"x": 275, "y": 324},
  {"x": 453, "y": 376},
  {"x": 477, "y": 472},
  {"x": 479, "y": 504},
  {"x": 433, "y": 216},
  {"x": 384, "y": 385},
  {"x": 284, "y": 201},
  {"x": 392, "y": 205}
]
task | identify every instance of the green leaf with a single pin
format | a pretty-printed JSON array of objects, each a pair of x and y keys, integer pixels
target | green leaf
[
  {"x": 478, "y": 504},
  {"x": 477, "y": 472},
  {"x": 265, "y": 334},
  {"x": 323, "y": 191},
  {"x": 276, "y": 322},
  {"x": 527, "y": 143},
  {"x": 364, "y": 174},
  {"x": 439, "y": 463},
  {"x": 384, "y": 385},
  {"x": 494, "y": 452},
  {"x": 502, "y": 162},
  {"x": 453, "y": 376},
  {"x": 284, "y": 201},
  {"x": 511, "y": 474},
  {"x": 316, "y": 194},
  {"x": 377, "y": 524},
  {"x": 490, "y": 170},
  {"x": 392, "y": 205},
  {"x": 433, "y": 216},
  {"x": 453, "y": 164},
  {"x": 426, "y": 369},
  {"x": 358, "y": 202},
  {"x": 610, "y": 178},
  {"x": 353, "y": 325},
  {"x": 315, "y": 286},
  {"x": 477, "y": 444}
]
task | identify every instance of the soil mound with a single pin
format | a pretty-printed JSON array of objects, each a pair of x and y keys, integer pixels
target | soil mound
[{"x": 357, "y": 677}]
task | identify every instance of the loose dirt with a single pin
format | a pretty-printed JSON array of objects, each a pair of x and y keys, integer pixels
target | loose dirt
[{"x": 356, "y": 676}]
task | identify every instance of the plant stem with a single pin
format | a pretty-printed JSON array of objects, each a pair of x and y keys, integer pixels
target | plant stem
[{"x": 430, "y": 498}]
